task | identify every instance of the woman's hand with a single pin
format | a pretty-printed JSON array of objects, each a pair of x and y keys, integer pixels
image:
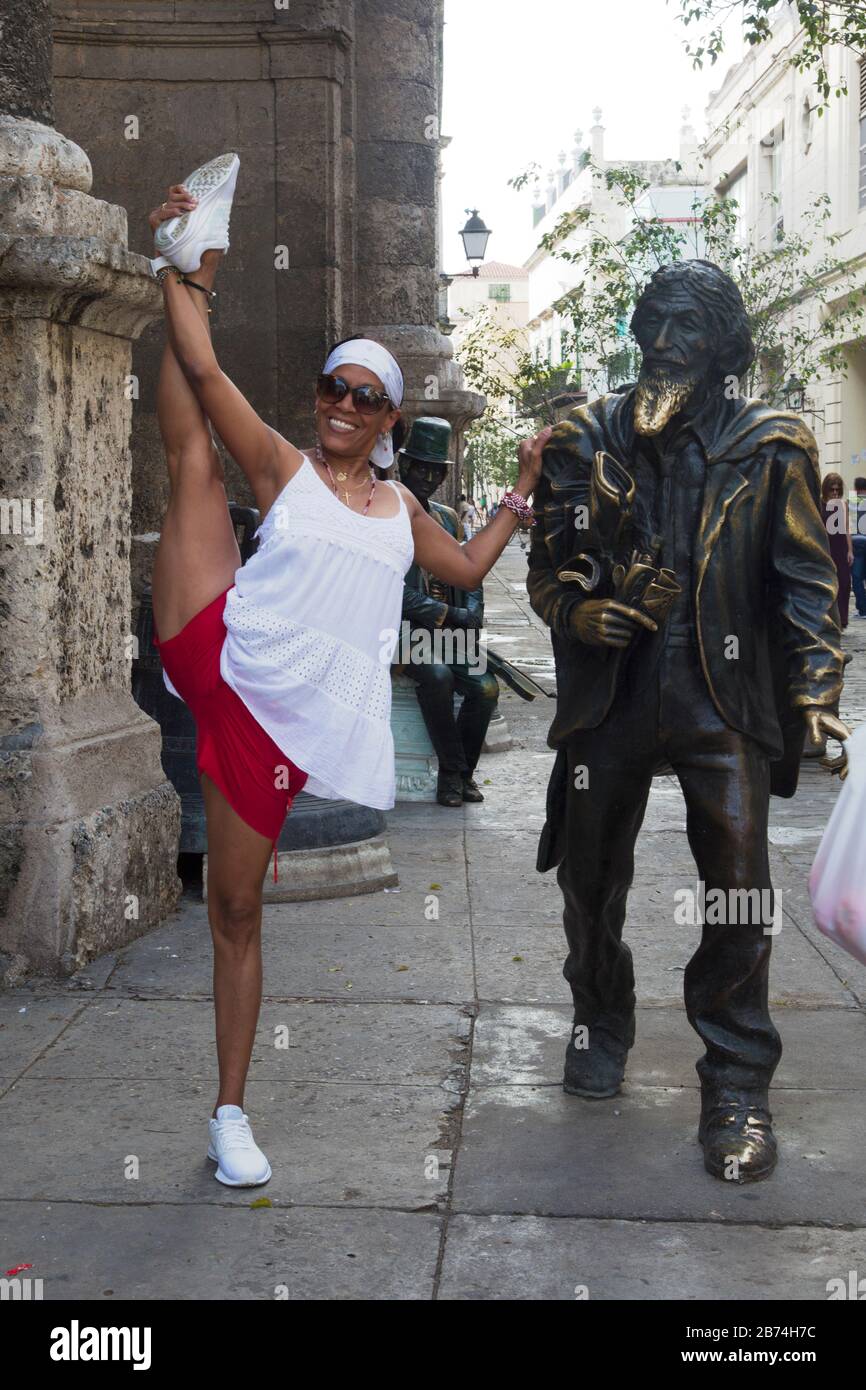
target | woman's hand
[
  {"x": 529, "y": 455},
  {"x": 178, "y": 201}
]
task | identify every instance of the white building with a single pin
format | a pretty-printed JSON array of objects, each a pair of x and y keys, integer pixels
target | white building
[
  {"x": 671, "y": 195},
  {"x": 767, "y": 139},
  {"x": 502, "y": 289}
]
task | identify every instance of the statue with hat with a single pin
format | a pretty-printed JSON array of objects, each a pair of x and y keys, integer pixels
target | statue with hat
[{"x": 431, "y": 607}]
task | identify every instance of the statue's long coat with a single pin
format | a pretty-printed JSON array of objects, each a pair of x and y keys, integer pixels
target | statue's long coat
[{"x": 762, "y": 572}]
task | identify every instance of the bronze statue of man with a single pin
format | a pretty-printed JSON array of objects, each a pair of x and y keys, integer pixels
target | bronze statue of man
[
  {"x": 436, "y": 607},
  {"x": 682, "y": 565}
]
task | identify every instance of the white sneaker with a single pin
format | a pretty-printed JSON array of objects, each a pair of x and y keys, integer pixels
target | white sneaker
[
  {"x": 240, "y": 1161},
  {"x": 182, "y": 241}
]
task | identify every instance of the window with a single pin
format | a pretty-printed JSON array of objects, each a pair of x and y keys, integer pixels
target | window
[
  {"x": 501, "y": 293},
  {"x": 736, "y": 191},
  {"x": 777, "y": 156},
  {"x": 862, "y": 182}
]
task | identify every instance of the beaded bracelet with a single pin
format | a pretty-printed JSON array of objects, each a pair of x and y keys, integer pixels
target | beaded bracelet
[{"x": 519, "y": 505}]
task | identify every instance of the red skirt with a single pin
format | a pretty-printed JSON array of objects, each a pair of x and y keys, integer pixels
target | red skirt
[{"x": 257, "y": 780}]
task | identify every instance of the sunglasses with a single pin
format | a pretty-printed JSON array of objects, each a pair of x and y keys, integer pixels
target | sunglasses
[{"x": 366, "y": 399}]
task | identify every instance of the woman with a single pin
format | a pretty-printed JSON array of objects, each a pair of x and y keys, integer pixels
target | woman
[
  {"x": 284, "y": 663},
  {"x": 834, "y": 510}
]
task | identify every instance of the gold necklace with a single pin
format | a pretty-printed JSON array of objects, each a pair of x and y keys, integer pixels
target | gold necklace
[{"x": 320, "y": 455}]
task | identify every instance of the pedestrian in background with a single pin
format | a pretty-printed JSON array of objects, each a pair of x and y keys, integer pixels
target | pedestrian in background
[
  {"x": 834, "y": 510},
  {"x": 858, "y": 541}
]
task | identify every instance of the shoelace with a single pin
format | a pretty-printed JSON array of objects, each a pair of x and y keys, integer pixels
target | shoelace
[{"x": 236, "y": 1134}]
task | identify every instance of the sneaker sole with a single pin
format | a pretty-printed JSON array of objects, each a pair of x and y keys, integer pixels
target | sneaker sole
[
  {"x": 202, "y": 184},
  {"x": 233, "y": 1182}
]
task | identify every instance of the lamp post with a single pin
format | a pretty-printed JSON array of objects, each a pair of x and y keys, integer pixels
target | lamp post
[
  {"x": 475, "y": 238},
  {"x": 795, "y": 394}
]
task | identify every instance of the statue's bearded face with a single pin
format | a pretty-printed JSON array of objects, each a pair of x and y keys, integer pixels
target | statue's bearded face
[{"x": 678, "y": 343}]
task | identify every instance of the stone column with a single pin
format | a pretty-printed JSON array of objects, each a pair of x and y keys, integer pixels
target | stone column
[
  {"x": 88, "y": 822},
  {"x": 398, "y": 59}
]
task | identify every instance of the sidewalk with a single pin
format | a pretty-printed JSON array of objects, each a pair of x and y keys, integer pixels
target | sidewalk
[{"x": 421, "y": 1143}]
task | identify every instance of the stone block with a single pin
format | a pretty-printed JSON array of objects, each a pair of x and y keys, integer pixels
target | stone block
[
  {"x": 399, "y": 173},
  {"x": 397, "y": 236}
]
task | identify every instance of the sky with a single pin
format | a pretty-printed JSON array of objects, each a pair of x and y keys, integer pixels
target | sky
[{"x": 521, "y": 76}]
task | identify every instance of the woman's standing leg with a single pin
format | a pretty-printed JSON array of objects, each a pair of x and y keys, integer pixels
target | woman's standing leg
[{"x": 237, "y": 861}]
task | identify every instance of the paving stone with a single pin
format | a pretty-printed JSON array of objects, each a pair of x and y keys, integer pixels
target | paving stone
[
  {"x": 28, "y": 1024},
  {"x": 141, "y": 1039},
  {"x": 636, "y": 1157},
  {"x": 174, "y": 1253},
  {"x": 327, "y": 1144},
  {"x": 519, "y": 1045},
  {"x": 311, "y": 961},
  {"x": 524, "y": 1258}
]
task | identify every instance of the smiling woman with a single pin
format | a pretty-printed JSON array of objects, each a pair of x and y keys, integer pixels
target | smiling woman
[{"x": 280, "y": 661}]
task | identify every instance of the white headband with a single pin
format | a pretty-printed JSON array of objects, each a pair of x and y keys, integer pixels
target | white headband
[{"x": 363, "y": 352}]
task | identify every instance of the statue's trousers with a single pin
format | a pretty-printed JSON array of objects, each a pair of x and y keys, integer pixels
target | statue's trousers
[{"x": 725, "y": 779}]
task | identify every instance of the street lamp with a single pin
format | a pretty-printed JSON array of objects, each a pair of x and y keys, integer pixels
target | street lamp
[
  {"x": 475, "y": 238},
  {"x": 795, "y": 394}
]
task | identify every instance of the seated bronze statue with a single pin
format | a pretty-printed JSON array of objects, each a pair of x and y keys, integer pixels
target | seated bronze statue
[
  {"x": 681, "y": 562},
  {"x": 436, "y": 607}
]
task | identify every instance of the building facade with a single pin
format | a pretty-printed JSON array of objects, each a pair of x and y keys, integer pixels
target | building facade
[
  {"x": 769, "y": 150},
  {"x": 674, "y": 187}
]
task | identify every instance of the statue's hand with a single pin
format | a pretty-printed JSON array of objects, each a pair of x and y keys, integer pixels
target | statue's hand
[
  {"x": 602, "y": 622},
  {"x": 464, "y": 618},
  {"x": 821, "y": 725}
]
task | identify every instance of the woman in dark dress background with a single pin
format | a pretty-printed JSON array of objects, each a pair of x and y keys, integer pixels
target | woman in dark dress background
[{"x": 834, "y": 509}]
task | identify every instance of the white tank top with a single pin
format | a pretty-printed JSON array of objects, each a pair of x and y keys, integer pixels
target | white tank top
[{"x": 311, "y": 625}]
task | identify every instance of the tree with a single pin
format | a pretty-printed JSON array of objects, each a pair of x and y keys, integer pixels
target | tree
[
  {"x": 825, "y": 24},
  {"x": 523, "y": 394},
  {"x": 802, "y": 299},
  {"x": 490, "y": 455}
]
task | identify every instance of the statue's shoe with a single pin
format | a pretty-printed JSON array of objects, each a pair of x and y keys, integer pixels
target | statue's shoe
[
  {"x": 182, "y": 241},
  {"x": 449, "y": 789},
  {"x": 471, "y": 790},
  {"x": 596, "y": 1071},
  {"x": 738, "y": 1141}
]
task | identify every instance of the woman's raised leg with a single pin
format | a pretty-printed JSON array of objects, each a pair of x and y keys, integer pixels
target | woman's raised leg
[{"x": 198, "y": 553}]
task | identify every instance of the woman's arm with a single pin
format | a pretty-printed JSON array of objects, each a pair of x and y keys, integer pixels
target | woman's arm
[
  {"x": 264, "y": 456},
  {"x": 466, "y": 565}
]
